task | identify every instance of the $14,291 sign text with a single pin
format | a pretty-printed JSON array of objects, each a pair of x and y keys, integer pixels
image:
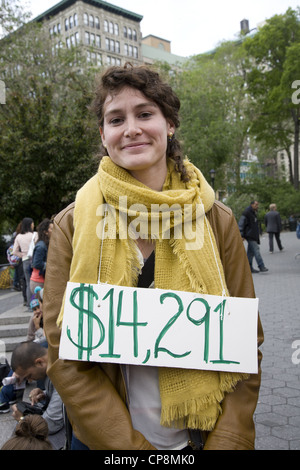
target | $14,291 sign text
[{"x": 126, "y": 325}]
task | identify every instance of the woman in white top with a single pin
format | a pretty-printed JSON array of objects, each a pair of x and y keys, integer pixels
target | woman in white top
[{"x": 21, "y": 247}]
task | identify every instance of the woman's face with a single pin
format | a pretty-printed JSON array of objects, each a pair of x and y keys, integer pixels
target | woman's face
[{"x": 135, "y": 133}]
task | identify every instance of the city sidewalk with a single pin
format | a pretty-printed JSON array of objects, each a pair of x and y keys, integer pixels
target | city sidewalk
[{"x": 277, "y": 416}]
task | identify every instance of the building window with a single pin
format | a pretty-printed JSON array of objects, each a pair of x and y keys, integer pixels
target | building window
[
  {"x": 107, "y": 44},
  {"x": 77, "y": 38},
  {"x": 54, "y": 29},
  {"x": 135, "y": 53},
  {"x": 106, "y": 26},
  {"x": 87, "y": 38},
  {"x": 58, "y": 28},
  {"x": 134, "y": 35},
  {"x": 98, "y": 41},
  {"x": 117, "y": 47},
  {"x": 97, "y": 22},
  {"x": 129, "y": 33},
  {"x": 68, "y": 42},
  {"x": 99, "y": 60},
  {"x": 71, "y": 22},
  {"x": 92, "y": 39},
  {"x": 111, "y": 28},
  {"x": 85, "y": 19},
  {"x": 116, "y": 27},
  {"x": 66, "y": 24},
  {"x": 91, "y": 21},
  {"x": 125, "y": 32},
  {"x": 75, "y": 19},
  {"x": 125, "y": 49},
  {"x": 112, "y": 45}
]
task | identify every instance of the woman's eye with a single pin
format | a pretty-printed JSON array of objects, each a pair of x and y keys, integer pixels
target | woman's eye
[
  {"x": 116, "y": 121},
  {"x": 145, "y": 115}
]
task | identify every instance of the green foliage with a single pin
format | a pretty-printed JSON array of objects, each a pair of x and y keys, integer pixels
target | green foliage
[
  {"x": 266, "y": 191},
  {"x": 214, "y": 112},
  {"x": 47, "y": 138},
  {"x": 273, "y": 66}
]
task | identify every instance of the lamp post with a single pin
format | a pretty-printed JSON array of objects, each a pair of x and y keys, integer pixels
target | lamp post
[{"x": 212, "y": 177}]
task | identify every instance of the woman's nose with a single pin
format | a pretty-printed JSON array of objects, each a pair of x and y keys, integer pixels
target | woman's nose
[{"x": 132, "y": 128}]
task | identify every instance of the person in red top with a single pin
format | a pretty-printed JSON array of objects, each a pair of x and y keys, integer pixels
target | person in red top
[{"x": 39, "y": 258}]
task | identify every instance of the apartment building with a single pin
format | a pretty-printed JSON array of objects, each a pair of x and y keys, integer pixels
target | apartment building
[{"x": 111, "y": 35}]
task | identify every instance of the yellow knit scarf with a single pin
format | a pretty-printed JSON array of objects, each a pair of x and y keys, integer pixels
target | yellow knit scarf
[{"x": 189, "y": 398}]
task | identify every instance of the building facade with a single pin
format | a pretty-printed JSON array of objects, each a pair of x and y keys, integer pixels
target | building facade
[{"x": 109, "y": 34}]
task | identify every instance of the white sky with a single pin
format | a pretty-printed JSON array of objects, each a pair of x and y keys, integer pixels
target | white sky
[{"x": 192, "y": 26}]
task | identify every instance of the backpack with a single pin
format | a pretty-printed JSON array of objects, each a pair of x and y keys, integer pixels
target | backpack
[{"x": 12, "y": 259}]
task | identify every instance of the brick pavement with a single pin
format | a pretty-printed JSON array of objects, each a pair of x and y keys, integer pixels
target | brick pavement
[{"x": 277, "y": 416}]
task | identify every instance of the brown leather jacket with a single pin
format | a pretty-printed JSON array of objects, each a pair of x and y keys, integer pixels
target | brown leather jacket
[{"x": 94, "y": 394}]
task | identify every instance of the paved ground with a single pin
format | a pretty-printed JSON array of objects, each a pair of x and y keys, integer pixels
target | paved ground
[{"x": 277, "y": 416}]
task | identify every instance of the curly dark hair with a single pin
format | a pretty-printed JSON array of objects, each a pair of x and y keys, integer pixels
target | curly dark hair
[
  {"x": 42, "y": 229},
  {"x": 148, "y": 82}
]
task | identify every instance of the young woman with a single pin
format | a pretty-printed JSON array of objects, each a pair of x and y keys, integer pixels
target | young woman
[
  {"x": 111, "y": 406},
  {"x": 20, "y": 249}
]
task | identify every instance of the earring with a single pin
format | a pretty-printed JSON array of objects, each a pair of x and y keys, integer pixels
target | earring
[{"x": 170, "y": 136}]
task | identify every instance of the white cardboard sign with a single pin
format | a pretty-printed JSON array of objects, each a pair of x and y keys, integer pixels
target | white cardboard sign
[{"x": 156, "y": 327}]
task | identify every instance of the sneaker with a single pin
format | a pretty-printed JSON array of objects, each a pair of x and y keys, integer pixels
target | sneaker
[
  {"x": 254, "y": 270},
  {"x": 4, "y": 407},
  {"x": 263, "y": 269}
]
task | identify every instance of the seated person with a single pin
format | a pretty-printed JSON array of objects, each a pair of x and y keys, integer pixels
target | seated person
[
  {"x": 29, "y": 362},
  {"x": 35, "y": 327}
]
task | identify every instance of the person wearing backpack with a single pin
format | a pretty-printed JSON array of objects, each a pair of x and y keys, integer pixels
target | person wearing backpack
[{"x": 39, "y": 258}]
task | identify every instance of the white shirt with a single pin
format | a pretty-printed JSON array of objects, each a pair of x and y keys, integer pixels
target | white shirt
[{"x": 145, "y": 408}]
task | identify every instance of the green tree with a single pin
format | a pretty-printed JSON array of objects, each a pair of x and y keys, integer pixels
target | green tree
[
  {"x": 47, "y": 138},
  {"x": 273, "y": 67},
  {"x": 215, "y": 117},
  {"x": 12, "y": 16}
]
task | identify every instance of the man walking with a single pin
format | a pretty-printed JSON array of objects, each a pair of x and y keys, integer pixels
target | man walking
[
  {"x": 249, "y": 229},
  {"x": 273, "y": 227}
]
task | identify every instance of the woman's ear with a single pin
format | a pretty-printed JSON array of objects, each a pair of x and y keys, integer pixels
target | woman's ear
[
  {"x": 102, "y": 135},
  {"x": 171, "y": 128}
]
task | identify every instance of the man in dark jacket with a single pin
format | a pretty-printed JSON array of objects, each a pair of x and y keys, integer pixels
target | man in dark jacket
[
  {"x": 273, "y": 227},
  {"x": 248, "y": 225}
]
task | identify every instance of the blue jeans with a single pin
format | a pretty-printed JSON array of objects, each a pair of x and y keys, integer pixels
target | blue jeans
[
  {"x": 253, "y": 251},
  {"x": 7, "y": 393},
  {"x": 27, "y": 274},
  {"x": 76, "y": 444}
]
